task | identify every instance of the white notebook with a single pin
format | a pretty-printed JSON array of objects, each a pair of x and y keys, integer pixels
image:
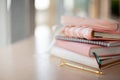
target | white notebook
[{"x": 84, "y": 60}]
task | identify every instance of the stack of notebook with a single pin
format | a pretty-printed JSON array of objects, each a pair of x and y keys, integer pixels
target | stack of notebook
[{"x": 92, "y": 43}]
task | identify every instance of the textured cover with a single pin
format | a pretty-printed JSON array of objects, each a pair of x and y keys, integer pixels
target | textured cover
[
  {"x": 87, "y": 22},
  {"x": 87, "y": 33}
]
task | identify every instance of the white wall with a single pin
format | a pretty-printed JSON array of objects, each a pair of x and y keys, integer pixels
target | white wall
[
  {"x": 22, "y": 20},
  {"x": 17, "y": 22}
]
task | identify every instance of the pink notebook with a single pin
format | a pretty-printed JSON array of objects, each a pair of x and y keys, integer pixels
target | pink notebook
[
  {"x": 88, "y": 49},
  {"x": 90, "y": 34},
  {"x": 87, "y": 22}
]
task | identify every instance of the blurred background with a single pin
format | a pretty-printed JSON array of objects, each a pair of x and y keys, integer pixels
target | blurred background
[{"x": 20, "y": 19}]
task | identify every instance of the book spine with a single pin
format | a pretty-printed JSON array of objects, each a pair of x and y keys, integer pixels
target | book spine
[{"x": 106, "y": 44}]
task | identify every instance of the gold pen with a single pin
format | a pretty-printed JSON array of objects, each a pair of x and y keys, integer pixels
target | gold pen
[{"x": 63, "y": 62}]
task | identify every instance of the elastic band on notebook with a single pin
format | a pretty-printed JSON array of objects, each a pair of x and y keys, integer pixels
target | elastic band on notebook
[{"x": 97, "y": 59}]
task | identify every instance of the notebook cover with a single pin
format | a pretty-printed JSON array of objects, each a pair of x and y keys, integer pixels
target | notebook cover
[
  {"x": 88, "y": 49},
  {"x": 69, "y": 55},
  {"x": 87, "y": 22},
  {"x": 87, "y": 33},
  {"x": 88, "y": 61},
  {"x": 80, "y": 48}
]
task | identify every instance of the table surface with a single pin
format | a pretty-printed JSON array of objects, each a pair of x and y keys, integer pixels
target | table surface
[{"x": 25, "y": 60}]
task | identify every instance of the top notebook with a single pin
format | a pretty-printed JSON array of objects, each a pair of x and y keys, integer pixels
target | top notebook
[{"x": 108, "y": 25}]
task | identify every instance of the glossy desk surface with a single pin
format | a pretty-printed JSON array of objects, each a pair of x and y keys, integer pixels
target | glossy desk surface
[{"x": 25, "y": 61}]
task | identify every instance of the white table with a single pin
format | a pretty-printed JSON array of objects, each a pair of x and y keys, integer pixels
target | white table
[{"x": 25, "y": 61}]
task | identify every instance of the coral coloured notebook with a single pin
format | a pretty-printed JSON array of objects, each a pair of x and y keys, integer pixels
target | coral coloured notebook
[
  {"x": 88, "y": 49},
  {"x": 87, "y": 22}
]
